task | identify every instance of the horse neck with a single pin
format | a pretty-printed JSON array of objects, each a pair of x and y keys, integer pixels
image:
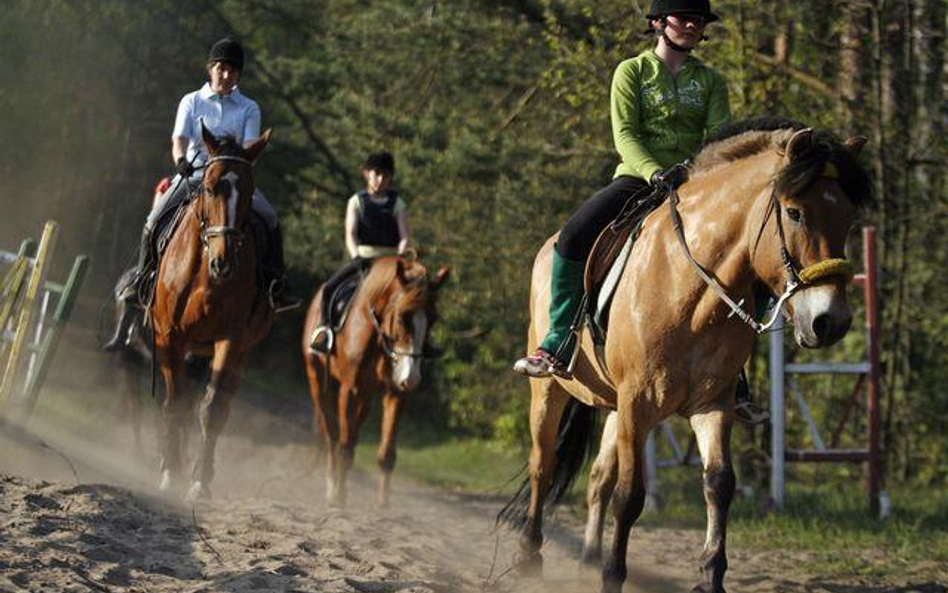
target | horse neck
[{"x": 723, "y": 211}]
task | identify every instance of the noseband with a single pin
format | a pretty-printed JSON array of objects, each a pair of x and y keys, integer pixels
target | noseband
[
  {"x": 797, "y": 278},
  {"x": 226, "y": 231}
]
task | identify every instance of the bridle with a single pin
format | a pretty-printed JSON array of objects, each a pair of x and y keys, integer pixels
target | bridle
[
  {"x": 797, "y": 278},
  {"x": 387, "y": 341},
  {"x": 226, "y": 231}
]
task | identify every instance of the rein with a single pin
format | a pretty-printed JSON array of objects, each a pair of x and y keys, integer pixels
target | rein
[{"x": 797, "y": 279}]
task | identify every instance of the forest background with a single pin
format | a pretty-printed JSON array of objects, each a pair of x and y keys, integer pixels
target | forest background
[{"x": 497, "y": 112}]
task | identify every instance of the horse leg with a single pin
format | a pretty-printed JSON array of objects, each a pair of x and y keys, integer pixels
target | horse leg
[
  {"x": 391, "y": 410},
  {"x": 174, "y": 414},
  {"x": 547, "y": 402},
  {"x": 325, "y": 426},
  {"x": 713, "y": 431},
  {"x": 214, "y": 410},
  {"x": 629, "y": 497},
  {"x": 602, "y": 481},
  {"x": 344, "y": 449}
]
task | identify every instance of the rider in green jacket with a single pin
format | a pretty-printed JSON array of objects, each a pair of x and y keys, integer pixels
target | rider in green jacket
[{"x": 663, "y": 104}]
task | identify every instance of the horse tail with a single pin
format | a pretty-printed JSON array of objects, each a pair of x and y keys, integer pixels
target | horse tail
[{"x": 574, "y": 442}]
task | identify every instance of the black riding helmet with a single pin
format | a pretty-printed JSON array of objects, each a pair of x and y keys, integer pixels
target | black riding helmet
[
  {"x": 383, "y": 162},
  {"x": 227, "y": 50},
  {"x": 663, "y": 8}
]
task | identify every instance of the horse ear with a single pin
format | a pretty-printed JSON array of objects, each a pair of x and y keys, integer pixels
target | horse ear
[
  {"x": 800, "y": 143},
  {"x": 209, "y": 140},
  {"x": 855, "y": 143},
  {"x": 400, "y": 269},
  {"x": 440, "y": 277},
  {"x": 256, "y": 147}
]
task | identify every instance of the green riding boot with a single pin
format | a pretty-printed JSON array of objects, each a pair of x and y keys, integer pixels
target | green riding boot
[{"x": 566, "y": 294}]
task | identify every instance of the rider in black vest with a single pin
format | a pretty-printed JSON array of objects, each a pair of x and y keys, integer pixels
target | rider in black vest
[{"x": 376, "y": 225}]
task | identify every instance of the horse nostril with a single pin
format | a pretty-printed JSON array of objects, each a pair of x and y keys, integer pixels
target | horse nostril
[{"x": 821, "y": 325}]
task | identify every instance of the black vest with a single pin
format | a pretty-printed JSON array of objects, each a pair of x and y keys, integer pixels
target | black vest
[{"x": 377, "y": 224}]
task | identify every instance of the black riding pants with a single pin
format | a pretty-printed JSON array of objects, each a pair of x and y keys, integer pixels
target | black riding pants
[
  {"x": 583, "y": 227},
  {"x": 355, "y": 266}
]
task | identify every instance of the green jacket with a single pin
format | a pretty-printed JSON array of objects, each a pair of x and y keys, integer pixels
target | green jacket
[{"x": 659, "y": 120}]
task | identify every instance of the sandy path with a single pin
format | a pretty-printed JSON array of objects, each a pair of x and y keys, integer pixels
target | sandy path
[{"x": 81, "y": 516}]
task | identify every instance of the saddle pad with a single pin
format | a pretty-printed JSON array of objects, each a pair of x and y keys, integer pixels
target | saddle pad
[{"x": 609, "y": 256}]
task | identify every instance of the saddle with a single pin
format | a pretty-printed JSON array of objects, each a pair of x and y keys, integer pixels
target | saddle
[
  {"x": 608, "y": 258},
  {"x": 341, "y": 301}
]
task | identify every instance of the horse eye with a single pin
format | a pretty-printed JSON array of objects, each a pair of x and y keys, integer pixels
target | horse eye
[{"x": 794, "y": 214}]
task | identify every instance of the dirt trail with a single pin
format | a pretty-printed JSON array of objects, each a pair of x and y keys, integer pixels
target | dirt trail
[{"x": 82, "y": 516}]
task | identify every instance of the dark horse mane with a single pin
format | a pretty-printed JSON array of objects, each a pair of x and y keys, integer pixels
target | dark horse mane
[{"x": 751, "y": 136}]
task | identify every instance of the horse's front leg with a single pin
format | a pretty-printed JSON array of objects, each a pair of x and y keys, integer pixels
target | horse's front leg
[
  {"x": 174, "y": 413},
  {"x": 713, "y": 432},
  {"x": 349, "y": 414},
  {"x": 226, "y": 370},
  {"x": 602, "y": 482},
  {"x": 629, "y": 497},
  {"x": 548, "y": 400},
  {"x": 392, "y": 404}
]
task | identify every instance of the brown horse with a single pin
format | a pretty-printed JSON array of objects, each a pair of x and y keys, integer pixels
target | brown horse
[
  {"x": 768, "y": 207},
  {"x": 379, "y": 350},
  {"x": 207, "y": 301}
]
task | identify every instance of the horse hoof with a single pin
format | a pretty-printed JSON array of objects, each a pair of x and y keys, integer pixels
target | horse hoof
[
  {"x": 198, "y": 492},
  {"x": 591, "y": 557},
  {"x": 706, "y": 589},
  {"x": 164, "y": 485},
  {"x": 529, "y": 566}
]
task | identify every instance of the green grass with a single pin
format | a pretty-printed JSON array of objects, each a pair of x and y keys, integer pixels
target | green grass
[{"x": 469, "y": 465}]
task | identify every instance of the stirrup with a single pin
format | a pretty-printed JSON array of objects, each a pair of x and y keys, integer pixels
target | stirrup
[
  {"x": 748, "y": 413},
  {"x": 276, "y": 295},
  {"x": 320, "y": 344},
  {"x": 541, "y": 364}
]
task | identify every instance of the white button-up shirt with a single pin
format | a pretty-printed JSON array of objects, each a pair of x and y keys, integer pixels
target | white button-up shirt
[{"x": 233, "y": 115}]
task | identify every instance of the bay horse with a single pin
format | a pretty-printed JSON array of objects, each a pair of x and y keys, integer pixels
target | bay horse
[
  {"x": 379, "y": 350},
  {"x": 207, "y": 301},
  {"x": 766, "y": 204}
]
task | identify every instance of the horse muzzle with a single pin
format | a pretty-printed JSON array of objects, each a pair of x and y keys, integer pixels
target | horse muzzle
[
  {"x": 220, "y": 269},
  {"x": 822, "y": 315}
]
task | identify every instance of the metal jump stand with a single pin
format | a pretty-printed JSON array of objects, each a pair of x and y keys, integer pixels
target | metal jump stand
[
  {"x": 782, "y": 374},
  {"x": 28, "y": 335}
]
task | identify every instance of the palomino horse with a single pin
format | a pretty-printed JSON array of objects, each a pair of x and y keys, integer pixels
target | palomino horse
[
  {"x": 378, "y": 350},
  {"x": 763, "y": 206},
  {"x": 207, "y": 302}
]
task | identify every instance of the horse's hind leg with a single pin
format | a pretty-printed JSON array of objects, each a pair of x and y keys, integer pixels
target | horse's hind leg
[
  {"x": 713, "y": 431},
  {"x": 391, "y": 410},
  {"x": 602, "y": 481},
  {"x": 214, "y": 410},
  {"x": 629, "y": 497},
  {"x": 548, "y": 400}
]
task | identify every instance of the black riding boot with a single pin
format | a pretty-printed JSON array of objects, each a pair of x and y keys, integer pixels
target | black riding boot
[
  {"x": 281, "y": 296},
  {"x": 126, "y": 295},
  {"x": 744, "y": 407}
]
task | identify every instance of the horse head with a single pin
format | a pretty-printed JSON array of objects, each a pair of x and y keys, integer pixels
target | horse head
[
  {"x": 406, "y": 318},
  {"x": 224, "y": 201},
  {"x": 813, "y": 204}
]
